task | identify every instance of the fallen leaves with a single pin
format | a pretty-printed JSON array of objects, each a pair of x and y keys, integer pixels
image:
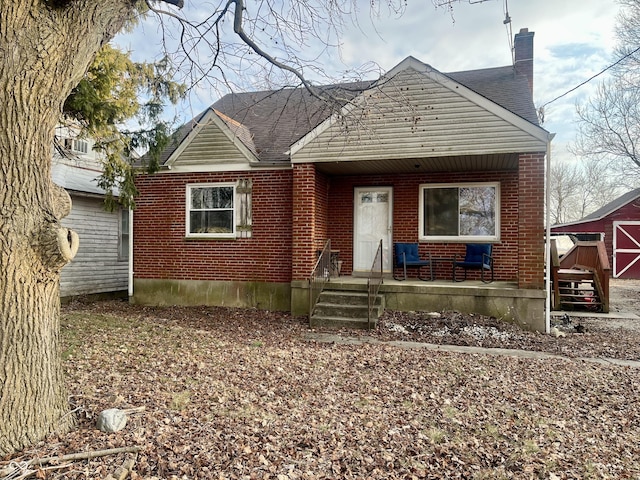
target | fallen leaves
[{"x": 237, "y": 394}]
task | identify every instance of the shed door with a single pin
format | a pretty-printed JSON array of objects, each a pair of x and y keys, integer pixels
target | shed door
[
  {"x": 372, "y": 222},
  {"x": 626, "y": 249}
]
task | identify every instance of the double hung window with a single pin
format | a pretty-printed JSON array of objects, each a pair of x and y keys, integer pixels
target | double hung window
[
  {"x": 211, "y": 210},
  {"x": 123, "y": 240}
]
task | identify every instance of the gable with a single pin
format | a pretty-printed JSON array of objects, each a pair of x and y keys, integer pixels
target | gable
[
  {"x": 417, "y": 112},
  {"x": 278, "y": 118},
  {"x": 214, "y": 141}
]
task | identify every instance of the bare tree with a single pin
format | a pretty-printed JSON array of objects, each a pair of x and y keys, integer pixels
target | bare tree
[
  {"x": 609, "y": 126},
  {"x": 46, "y": 47},
  {"x": 609, "y": 123},
  {"x": 578, "y": 189},
  {"x": 563, "y": 185}
]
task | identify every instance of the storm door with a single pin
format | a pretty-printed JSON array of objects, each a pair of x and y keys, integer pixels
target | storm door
[{"x": 372, "y": 221}]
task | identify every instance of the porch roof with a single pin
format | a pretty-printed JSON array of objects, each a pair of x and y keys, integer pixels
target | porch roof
[{"x": 460, "y": 163}]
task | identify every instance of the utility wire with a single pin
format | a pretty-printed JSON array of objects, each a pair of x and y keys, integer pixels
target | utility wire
[{"x": 590, "y": 78}]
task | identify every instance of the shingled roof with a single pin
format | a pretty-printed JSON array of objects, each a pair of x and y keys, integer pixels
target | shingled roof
[
  {"x": 614, "y": 205},
  {"x": 276, "y": 119}
]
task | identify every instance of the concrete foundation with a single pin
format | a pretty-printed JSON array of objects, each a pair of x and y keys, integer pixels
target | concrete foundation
[
  {"x": 499, "y": 299},
  {"x": 502, "y": 300},
  {"x": 265, "y": 296}
]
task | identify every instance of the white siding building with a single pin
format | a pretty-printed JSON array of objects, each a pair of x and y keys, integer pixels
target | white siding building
[{"x": 102, "y": 263}]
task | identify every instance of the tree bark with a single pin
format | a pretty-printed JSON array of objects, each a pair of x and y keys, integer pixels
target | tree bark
[{"x": 45, "y": 46}]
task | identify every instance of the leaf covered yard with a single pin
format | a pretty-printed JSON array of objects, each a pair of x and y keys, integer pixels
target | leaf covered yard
[{"x": 233, "y": 393}]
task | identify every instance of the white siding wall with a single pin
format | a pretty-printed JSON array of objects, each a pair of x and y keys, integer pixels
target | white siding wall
[
  {"x": 413, "y": 116},
  {"x": 96, "y": 268}
]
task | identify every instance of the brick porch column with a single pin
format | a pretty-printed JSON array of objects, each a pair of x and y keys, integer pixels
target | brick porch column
[
  {"x": 531, "y": 220},
  {"x": 304, "y": 220}
]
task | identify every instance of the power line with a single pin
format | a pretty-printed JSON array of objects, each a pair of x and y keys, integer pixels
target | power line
[{"x": 590, "y": 78}]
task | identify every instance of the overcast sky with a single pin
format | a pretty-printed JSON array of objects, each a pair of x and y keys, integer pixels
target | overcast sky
[{"x": 573, "y": 41}]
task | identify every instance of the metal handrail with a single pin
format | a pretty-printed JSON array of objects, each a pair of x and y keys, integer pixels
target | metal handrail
[
  {"x": 319, "y": 276},
  {"x": 374, "y": 280}
]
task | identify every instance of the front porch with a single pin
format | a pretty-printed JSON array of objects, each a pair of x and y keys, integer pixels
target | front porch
[{"x": 500, "y": 299}]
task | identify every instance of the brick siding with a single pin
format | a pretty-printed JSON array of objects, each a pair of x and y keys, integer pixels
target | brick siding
[
  {"x": 162, "y": 251},
  {"x": 294, "y": 212}
]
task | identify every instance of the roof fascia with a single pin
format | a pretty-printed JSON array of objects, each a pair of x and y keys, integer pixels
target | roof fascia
[{"x": 231, "y": 167}]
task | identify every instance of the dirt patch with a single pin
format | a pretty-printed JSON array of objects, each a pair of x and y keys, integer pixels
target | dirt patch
[{"x": 577, "y": 336}]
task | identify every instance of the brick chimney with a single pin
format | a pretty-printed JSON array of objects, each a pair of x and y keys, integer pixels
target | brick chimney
[{"x": 523, "y": 55}]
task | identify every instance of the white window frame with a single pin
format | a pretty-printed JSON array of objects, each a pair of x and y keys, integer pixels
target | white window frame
[
  {"x": 458, "y": 238},
  {"x": 124, "y": 232},
  {"x": 191, "y": 186}
]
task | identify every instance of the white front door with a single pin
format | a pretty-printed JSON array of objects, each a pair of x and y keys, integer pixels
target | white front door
[{"x": 372, "y": 222}]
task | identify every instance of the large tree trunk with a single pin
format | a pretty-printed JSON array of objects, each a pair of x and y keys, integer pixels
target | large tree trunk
[{"x": 45, "y": 48}]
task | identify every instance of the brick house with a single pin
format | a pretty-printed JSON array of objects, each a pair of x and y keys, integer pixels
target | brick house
[{"x": 255, "y": 185}]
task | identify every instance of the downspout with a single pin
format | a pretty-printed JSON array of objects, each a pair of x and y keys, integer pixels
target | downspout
[
  {"x": 547, "y": 241},
  {"x": 130, "y": 253}
]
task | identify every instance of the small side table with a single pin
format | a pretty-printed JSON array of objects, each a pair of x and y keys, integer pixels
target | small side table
[{"x": 335, "y": 263}]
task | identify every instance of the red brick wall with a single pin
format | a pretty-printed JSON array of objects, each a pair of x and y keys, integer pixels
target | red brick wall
[
  {"x": 531, "y": 221},
  {"x": 405, "y": 216},
  {"x": 161, "y": 250},
  {"x": 322, "y": 216},
  {"x": 304, "y": 220},
  {"x": 295, "y": 212}
]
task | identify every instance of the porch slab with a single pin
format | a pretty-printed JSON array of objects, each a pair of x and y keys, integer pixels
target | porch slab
[{"x": 503, "y": 300}]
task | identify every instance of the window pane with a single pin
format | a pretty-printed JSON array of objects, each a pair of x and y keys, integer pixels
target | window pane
[
  {"x": 477, "y": 211},
  {"x": 211, "y": 197},
  {"x": 211, "y": 221},
  {"x": 441, "y": 211}
]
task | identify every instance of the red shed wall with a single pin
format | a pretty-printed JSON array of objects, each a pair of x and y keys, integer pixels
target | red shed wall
[{"x": 161, "y": 250}]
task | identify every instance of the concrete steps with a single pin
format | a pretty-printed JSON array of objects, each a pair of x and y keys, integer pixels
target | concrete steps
[{"x": 345, "y": 309}]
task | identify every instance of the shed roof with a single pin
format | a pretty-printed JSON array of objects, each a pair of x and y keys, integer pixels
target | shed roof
[
  {"x": 76, "y": 178},
  {"x": 608, "y": 209}
]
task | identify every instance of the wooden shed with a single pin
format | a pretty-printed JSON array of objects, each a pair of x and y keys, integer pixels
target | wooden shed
[{"x": 618, "y": 224}]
